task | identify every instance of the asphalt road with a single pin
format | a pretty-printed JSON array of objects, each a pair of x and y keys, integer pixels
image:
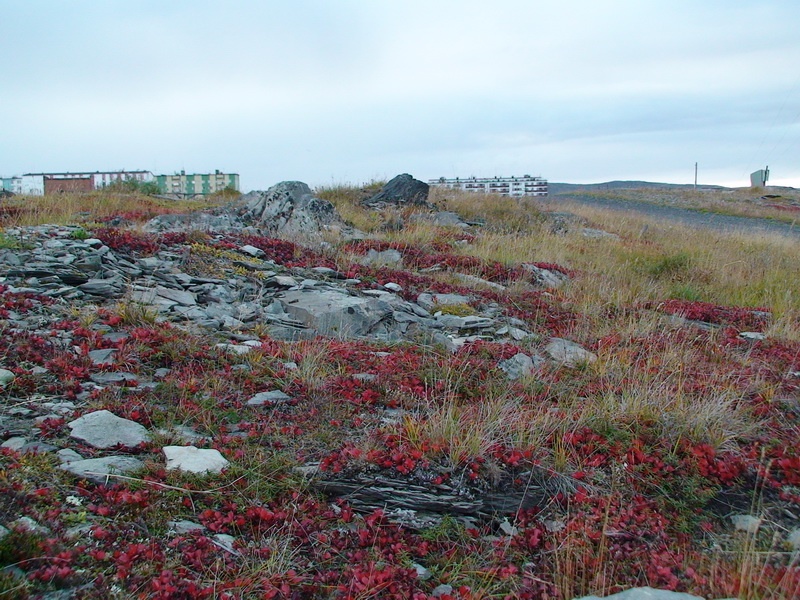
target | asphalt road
[{"x": 683, "y": 216}]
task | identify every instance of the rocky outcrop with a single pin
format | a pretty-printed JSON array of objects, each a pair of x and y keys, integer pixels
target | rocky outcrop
[
  {"x": 290, "y": 210},
  {"x": 402, "y": 190}
]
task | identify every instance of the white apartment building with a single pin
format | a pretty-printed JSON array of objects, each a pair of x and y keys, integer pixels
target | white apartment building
[{"x": 505, "y": 186}]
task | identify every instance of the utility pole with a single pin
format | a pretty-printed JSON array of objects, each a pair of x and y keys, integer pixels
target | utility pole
[{"x": 695, "y": 176}]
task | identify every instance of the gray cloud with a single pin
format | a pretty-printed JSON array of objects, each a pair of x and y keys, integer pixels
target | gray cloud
[{"x": 347, "y": 91}]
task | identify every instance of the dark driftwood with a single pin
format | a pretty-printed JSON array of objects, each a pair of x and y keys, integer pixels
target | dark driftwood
[{"x": 368, "y": 491}]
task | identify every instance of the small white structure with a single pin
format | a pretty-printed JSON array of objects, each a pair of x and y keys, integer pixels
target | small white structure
[
  {"x": 759, "y": 178},
  {"x": 32, "y": 184},
  {"x": 505, "y": 186}
]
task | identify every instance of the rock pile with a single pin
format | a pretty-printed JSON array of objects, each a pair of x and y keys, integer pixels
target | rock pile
[
  {"x": 287, "y": 304},
  {"x": 402, "y": 190}
]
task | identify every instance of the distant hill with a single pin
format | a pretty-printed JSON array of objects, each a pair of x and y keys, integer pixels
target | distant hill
[{"x": 567, "y": 188}]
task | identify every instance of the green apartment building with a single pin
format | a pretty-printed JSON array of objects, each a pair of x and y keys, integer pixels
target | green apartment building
[{"x": 183, "y": 184}]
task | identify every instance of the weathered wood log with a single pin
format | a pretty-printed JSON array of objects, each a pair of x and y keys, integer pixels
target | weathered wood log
[{"x": 368, "y": 491}]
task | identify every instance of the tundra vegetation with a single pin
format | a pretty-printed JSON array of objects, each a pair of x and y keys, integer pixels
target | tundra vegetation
[{"x": 672, "y": 460}]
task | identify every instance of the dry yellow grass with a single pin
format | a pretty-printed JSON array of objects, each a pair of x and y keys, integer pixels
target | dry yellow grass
[{"x": 63, "y": 209}]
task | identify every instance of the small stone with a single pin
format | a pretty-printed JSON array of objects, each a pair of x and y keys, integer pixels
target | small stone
[
  {"x": 102, "y": 357},
  {"x": 568, "y": 353},
  {"x": 393, "y": 287},
  {"x": 28, "y": 524},
  {"x": 794, "y": 539},
  {"x": 113, "y": 378},
  {"x": 423, "y": 573},
  {"x": 252, "y": 251},
  {"x": 103, "y": 429},
  {"x": 753, "y": 336},
  {"x": 507, "y": 528},
  {"x": 747, "y": 523},
  {"x": 442, "y": 590},
  {"x": 183, "y": 526},
  {"x": 14, "y": 443},
  {"x": 273, "y": 397},
  {"x": 645, "y": 593},
  {"x": 235, "y": 348},
  {"x": 225, "y": 541},
  {"x": 520, "y": 365},
  {"x": 68, "y": 455},
  {"x": 6, "y": 377},
  {"x": 194, "y": 460},
  {"x": 100, "y": 470}
]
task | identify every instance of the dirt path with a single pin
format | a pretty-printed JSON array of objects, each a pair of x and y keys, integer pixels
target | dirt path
[{"x": 684, "y": 216}]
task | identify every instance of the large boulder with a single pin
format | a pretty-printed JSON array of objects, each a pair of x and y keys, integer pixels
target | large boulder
[
  {"x": 335, "y": 313},
  {"x": 403, "y": 190},
  {"x": 290, "y": 210}
]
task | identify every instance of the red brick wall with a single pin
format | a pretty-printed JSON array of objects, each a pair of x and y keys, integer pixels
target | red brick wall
[{"x": 56, "y": 186}]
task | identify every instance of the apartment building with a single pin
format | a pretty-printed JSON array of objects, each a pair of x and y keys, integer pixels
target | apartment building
[{"x": 505, "y": 186}]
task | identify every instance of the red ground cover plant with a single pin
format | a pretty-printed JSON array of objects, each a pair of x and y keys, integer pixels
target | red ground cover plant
[
  {"x": 128, "y": 241},
  {"x": 749, "y": 319}
]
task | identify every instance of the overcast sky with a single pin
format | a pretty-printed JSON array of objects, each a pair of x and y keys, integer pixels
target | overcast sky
[{"x": 346, "y": 91}]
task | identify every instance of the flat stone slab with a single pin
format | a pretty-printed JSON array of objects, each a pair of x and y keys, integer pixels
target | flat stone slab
[
  {"x": 272, "y": 397},
  {"x": 568, "y": 353},
  {"x": 431, "y": 301},
  {"x": 194, "y": 460},
  {"x": 334, "y": 313},
  {"x": 103, "y": 429},
  {"x": 645, "y": 593},
  {"x": 102, "y": 357},
  {"x": 99, "y": 469}
]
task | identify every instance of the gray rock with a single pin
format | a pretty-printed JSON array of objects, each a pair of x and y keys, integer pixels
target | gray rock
[
  {"x": 794, "y": 539},
  {"x": 183, "y": 527},
  {"x": 599, "y": 234},
  {"x": 225, "y": 222},
  {"x": 194, "y": 460},
  {"x": 468, "y": 322},
  {"x": 14, "y": 443},
  {"x": 225, "y": 541},
  {"x": 431, "y": 301},
  {"x": 99, "y": 469},
  {"x": 177, "y": 296},
  {"x": 103, "y": 429},
  {"x": 568, "y": 353},
  {"x": 402, "y": 190},
  {"x": 272, "y": 397},
  {"x": 102, "y": 357},
  {"x": 290, "y": 210},
  {"x": 645, "y": 593},
  {"x": 6, "y": 377},
  {"x": 68, "y": 455},
  {"x": 384, "y": 258},
  {"x": 423, "y": 573},
  {"x": 113, "y": 378},
  {"x": 442, "y": 590},
  {"x": 252, "y": 251},
  {"x": 520, "y": 365},
  {"x": 747, "y": 523},
  {"x": 545, "y": 278},
  {"x": 108, "y": 288},
  {"x": 333, "y": 312},
  {"x": 753, "y": 336},
  {"x": 473, "y": 280}
]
